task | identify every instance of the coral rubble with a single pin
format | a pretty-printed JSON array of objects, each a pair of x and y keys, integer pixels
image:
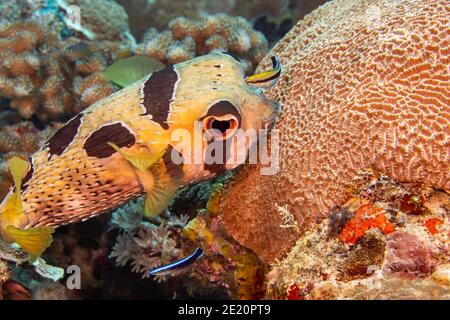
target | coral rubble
[
  {"x": 188, "y": 38},
  {"x": 364, "y": 86},
  {"x": 408, "y": 263}
]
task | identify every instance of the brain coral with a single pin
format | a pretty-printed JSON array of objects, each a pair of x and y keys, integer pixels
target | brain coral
[{"x": 365, "y": 86}]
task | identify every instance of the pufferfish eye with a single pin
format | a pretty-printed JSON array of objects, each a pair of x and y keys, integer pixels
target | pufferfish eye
[{"x": 222, "y": 121}]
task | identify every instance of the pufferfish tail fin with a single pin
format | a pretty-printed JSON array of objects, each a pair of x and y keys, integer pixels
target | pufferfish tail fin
[
  {"x": 34, "y": 241},
  {"x": 13, "y": 206},
  {"x": 168, "y": 178}
]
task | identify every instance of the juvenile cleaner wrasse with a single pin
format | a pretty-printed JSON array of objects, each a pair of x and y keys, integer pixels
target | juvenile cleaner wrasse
[{"x": 123, "y": 146}]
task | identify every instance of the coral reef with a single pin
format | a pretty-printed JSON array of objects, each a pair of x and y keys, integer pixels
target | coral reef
[
  {"x": 187, "y": 38},
  {"x": 408, "y": 263},
  {"x": 148, "y": 244},
  {"x": 360, "y": 206},
  {"x": 157, "y": 13},
  {"x": 32, "y": 73},
  {"x": 226, "y": 264},
  {"x": 364, "y": 86},
  {"x": 38, "y": 75}
]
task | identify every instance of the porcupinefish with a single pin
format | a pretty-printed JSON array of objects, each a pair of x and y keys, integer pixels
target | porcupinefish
[{"x": 122, "y": 147}]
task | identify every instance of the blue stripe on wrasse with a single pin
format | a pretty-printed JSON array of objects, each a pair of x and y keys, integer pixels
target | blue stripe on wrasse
[{"x": 179, "y": 264}]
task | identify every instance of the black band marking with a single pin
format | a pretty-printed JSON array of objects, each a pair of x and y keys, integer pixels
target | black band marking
[
  {"x": 64, "y": 136},
  {"x": 158, "y": 92},
  {"x": 97, "y": 143}
]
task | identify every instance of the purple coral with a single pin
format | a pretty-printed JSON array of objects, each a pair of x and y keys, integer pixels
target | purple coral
[{"x": 408, "y": 255}]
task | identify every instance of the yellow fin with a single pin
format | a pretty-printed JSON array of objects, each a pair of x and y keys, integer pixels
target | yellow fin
[
  {"x": 127, "y": 71},
  {"x": 12, "y": 209},
  {"x": 168, "y": 178},
  {"x": 140, "y": 160},
  {"x": 18, "y": 168},
  {"x": 34, "y": 241},
  {"x": 157, "y": 200}
]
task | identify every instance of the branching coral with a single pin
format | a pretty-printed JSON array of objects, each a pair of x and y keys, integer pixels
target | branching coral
[
  {"x": 157, "y": 13},
  {"x": 41, "y": 79},
  {"x": 187, "y": 38},
  {"x": 32, "y": 71},
  {"x": 40, "y": 74}
]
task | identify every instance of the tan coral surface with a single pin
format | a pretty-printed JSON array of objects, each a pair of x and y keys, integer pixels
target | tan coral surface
[
  {"x": 188, "y": 38},
  {"x": 365, "y": 85}
]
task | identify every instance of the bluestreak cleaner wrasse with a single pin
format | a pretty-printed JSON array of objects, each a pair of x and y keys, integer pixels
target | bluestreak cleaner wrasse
[
  {"x": 179, "y": 264},
  {"x": 123, "y": 146}
]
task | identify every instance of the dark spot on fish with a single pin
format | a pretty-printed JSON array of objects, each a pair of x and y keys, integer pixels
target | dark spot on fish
[
  {"x": 28, "y": 176},
  {"x": 175, "y": 170},
  {"x": 97, "y": 143},
  {"x": 222, "y": 108},
  {"x": 158, "y": 92},
  {"x": 64, "y": 136}
]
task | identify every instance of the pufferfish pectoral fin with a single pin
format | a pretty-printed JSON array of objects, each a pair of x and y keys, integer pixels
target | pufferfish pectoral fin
[
  {"x": 167, "y": 178},
  {"x": 34, "y": 241},
  {"x": 141, "y": 160},
  {"x": 157, "y": 200}
]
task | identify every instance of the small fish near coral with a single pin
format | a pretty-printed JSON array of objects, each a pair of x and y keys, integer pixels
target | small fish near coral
[{"x": 123, "y": 146}]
